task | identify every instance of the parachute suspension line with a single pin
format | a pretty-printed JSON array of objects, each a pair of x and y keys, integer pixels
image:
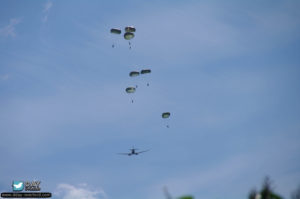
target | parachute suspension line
[{"x": 167, "y": 123}]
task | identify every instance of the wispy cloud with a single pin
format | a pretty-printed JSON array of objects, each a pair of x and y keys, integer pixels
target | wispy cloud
[
  {"x": 4, "y": 77},
  {"x": 67, "y": 191},
  {"x": 9, "y": 30},
  {"x": 47, "y": 8}
]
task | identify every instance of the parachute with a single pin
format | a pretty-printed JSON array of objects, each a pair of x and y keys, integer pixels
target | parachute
[
  {"x": 129, "y": 34},
  {"x": 146, "y": 71},
  {"x": 115, "y": 31},
  {"x": 129, "y": 29},
  {"x": 134, "y": 74},
  {"x": 130, "y": 90},
  {"x": 166, "y": 115}
]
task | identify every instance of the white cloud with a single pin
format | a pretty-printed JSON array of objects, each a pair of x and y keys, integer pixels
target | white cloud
[
  {"x": 46, "y": 10},
  {"x": 9, "y": 30},
  {"x": 67, "y": 191}
]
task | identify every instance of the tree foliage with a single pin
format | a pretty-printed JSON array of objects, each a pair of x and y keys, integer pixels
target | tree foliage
[
  {"x": 266, "y": 191},
  {"x": 253, "y": 193},
  {"x": 187, "y": 197},
  {"x": 296, "y": 193}
]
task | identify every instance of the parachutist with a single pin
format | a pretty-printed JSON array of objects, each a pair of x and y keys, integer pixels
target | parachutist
[
  {"x": 129, "y": 36},
  {"x": 130, "y": 90},
  {"x": 165, "y": 116},
  {"x": 115, "y": 31},
  {"x": 144, "y": 72}
]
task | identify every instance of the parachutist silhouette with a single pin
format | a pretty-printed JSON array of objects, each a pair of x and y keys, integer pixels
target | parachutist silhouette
[
  {"x": 165, "y": 116},
  {"x": 115, "y": 31},
  {"x": 129, "y": 36},
  {"x": 144, "y": 72},
  {"x": 130, "y": 90}
]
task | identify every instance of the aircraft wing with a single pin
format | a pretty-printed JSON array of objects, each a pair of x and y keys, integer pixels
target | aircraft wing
[
  {"x": 142, "y": 151},
  {"x": 123, "y": 153}
]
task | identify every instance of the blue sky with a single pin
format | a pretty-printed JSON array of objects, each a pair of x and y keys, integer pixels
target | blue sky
[{"x": 227, "y": 71}]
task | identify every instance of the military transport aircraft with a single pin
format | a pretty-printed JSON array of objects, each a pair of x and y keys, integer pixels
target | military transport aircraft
[{"x": 133, "y": 152}]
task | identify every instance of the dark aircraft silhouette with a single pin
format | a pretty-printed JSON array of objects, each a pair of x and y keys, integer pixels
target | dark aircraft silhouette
[{"x": 133, "y": 152}]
